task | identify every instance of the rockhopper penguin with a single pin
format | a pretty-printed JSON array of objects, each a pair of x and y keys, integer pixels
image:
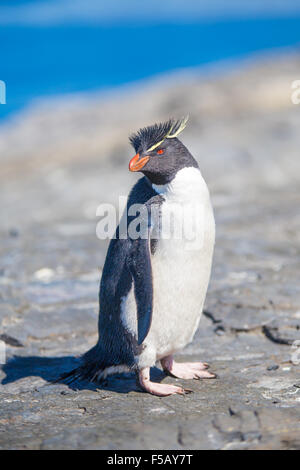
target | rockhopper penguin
[{"x": 153, "y": 286}]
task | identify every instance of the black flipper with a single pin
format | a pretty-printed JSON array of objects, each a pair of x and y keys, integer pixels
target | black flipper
[{"x": 139, "y": 264}]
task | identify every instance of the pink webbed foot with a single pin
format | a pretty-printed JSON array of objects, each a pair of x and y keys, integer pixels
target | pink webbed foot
[
  {"x": 160, "y": 390},
  {"x": 186, "y": 370}
]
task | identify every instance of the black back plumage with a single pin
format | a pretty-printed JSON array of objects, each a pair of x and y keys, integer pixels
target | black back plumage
[{"x": 125, "y": 260}]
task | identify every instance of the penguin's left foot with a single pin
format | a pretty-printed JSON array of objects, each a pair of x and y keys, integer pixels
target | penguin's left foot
[
  {"x": 186, "y": 370},
  {"x": 160, "y": 390}
]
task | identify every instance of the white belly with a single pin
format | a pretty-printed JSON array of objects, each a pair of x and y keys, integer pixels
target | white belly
[
  {"x": 180, "y": 286},
  {"x": 180, "y": 268}
]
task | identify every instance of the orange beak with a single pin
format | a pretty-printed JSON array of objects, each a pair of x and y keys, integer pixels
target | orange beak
[{"x": 135, "y": 164}]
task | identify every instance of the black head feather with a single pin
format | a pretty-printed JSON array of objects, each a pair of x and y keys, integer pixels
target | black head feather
[{"x": 147, "y": 137}]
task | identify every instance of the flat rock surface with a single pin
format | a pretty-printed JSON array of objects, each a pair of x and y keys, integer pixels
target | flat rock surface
[{"x": 59, "y": 161}]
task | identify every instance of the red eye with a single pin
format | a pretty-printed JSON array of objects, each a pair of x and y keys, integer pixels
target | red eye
[{"x": 160, "y": 151}]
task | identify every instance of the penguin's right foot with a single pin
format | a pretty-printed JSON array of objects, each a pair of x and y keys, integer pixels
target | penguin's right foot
[
  {"x": 160, "y": 390},
  {"x": 186, "y": 370}
]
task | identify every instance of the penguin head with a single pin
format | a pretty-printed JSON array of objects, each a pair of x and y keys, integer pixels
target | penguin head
[{"x": 159, "y": 153}]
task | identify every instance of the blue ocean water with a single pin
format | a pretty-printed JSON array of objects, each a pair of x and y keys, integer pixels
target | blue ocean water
[{"x": 49, "y": 60}]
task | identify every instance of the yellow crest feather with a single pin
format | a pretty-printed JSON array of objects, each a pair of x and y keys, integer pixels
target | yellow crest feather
[
  {"x": 178, "y": 127},
  {"x": 175, "y": 129},
  {"x": 155, "y": 146}
]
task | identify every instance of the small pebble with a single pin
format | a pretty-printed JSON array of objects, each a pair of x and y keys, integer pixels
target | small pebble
[
  {"x": 219, "y": 330},
  {"x": 273, "y": 367},
  {"x": 44, "y": 274}
]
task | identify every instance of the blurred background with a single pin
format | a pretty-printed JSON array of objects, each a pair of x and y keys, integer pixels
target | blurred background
[{"x": 80, "y": 76}]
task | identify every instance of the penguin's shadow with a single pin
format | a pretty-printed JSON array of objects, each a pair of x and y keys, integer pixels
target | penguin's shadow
[{"x": 51, "y": 368}]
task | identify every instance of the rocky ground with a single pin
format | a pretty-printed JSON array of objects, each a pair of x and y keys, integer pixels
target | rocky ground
[{"x": 59, "y": 161}]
